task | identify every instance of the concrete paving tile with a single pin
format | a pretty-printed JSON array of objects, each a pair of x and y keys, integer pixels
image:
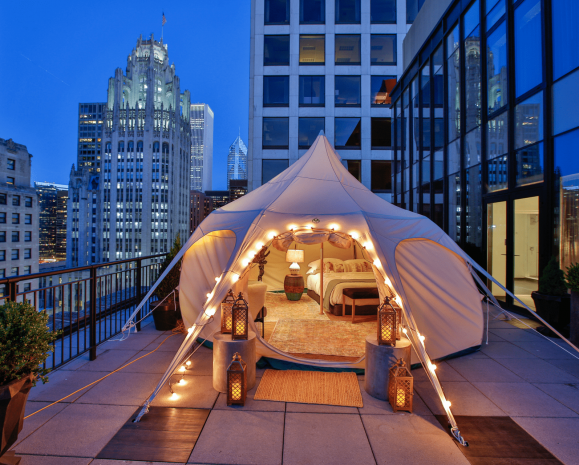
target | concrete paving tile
[
  {"x": 537, "y": 371},
  {"x": 170, "y": 345},
  {"x": 128, "y": 462},
  {"x": 373, "y": 406},
  {"x": 62, "y": 383},
  {"x": 122, "y": 389},
  {"x": 516, "y": 334},
  {"x": 498, "y": 350},
  {"x": 156, "y": 362},
  {"x": 52, "y": 460},
  {"x": 318, "y": 408},
  {"x": 411, "y": 439},
  {"x": 240, "y": 438},
  {"x": 485, "y": 370},
  {"x": 198, "y": 392},
  {"x": 569, "y": 366},
  {"x": 546, "y": 350},
  {"x": 558, "y": 435},
  {"x": 567, "y": 394},
  {"x": 444, "y": 371},
  {"x": 79, "y": 430},
  {"x": 325, "y": 438},
  {"x": 464, "y": 398},
  {"x": 492, "y": 337},
  {"x": 202, "y": 362},
  {"x": 523, "y": 399},
  {"x": 250, "y": 403},
  {"x": 109, "y": 360},
  {"x": 36, "y": 421},
  {"x": 499, "y": 324},
  {"x": 135, "y": 341}
]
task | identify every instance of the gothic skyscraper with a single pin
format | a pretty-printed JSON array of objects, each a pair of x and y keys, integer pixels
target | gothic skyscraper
[{"x": 237, "y": 161}]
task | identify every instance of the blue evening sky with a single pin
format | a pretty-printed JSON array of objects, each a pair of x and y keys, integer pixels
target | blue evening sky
[{"x": 55, "y": 55}]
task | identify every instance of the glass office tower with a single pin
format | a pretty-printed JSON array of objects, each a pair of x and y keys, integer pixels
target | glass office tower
[{"x": 486, "y": 129}]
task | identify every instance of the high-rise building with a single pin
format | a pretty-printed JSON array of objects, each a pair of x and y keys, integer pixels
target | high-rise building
[
  {"x": 218, "y": 199},
  {"x": 52, "y": 202},
  {"x": 197, "y": 210},
  {"x": 325, "y": 65},
  {"x": 18, "y": 214},
  {"x": 139, "y": 200},
  {"x": 236, "y": 161},
  {"x": 201, "y": 147},
  {"x": 90, "y": 125},
  {"x": 237, "y": 189}
]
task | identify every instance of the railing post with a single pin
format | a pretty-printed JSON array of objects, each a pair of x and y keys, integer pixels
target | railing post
[
  {"x": 139, "y": 292},
  {"x": 93, "y": 308}
]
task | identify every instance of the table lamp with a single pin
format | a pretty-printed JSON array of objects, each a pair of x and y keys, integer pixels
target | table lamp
[{"x": 294, "y": 257}]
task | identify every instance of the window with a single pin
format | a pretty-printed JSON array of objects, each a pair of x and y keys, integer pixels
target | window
[
  {"x": 27, "y": 269},
  {"x": 16, "y": 200},
  {"x": 10, "y": 180},
  {"x": 383, "y": 49},
  {"x": 312, "y": 51},
  {"x": 381, "y": 133},
  {"x": 26, "y": 286},
  {"x": 347, "y": 91},
  {"x": 2, "y": 255},
  {"x": 312, "y": 91},
  {"x": 354, "y": 168},
  {"x": 276, "y": 91},
  {"x": 381, "y": 177},
  {"x": 15, "y": 236},
  {"x": 497, "y": 68},
  {"x": 412, "y": 9},
  {"x": 27, "y": 219},
  {"x": 15, "y": 254},
  {"x": 565, "y": 95},
  {"x": 529, "y": 121},
  {"x": 453, "y": 81},
  {"x": 381, "y": 86},
  {"x": 347, "y": 49},
  {"x": 2, "y": 273},
  {"x": 27, "y": 253},
  {"x": 2, "y": 236},
  {"x": 308, "y": 130},
  {"x": 312, "y": 11},
  {"x": 565, "y": 17},
  {"x": 271, "y": 168},
  {"x": 27, "y": 236},
  {"x": 28, "y": 202},
  {"x": 275, "y": 133},
  {"x": 11, "y": 164},
  {"x": 495, "y": 9},
  {"x": 347, "y": 133},
  {"x": 14, "y": 271},
  {"x": 2, "y": 217},
  {"x": 383, "y": 11},
  {"x": 277, "y": 11},
  {"x": 528, "y": 46},
  {"x": 347, "y": 11},
  {"x": 15, "y": 218},
  {"x": 530, "y": 164},
  {"x": 276, "y": 50}
]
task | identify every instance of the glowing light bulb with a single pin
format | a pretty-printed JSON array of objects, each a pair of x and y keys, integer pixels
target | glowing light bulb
[
  {"x": 259, "y": 245},
  {"x": 422, "y": 338},
  {"x": 291, "y": 227},
  {"x": 182, "y": 382},
  {"x": 188, "y": 363},
  {"x": 368, "y": 245},
  {"x": 376, "y": 262},
  {"x": 334, "y": 226},
  {"x": 398, "y": 300},
  {"x": 404, "y": 331},
  {"x": 235, "y": 278},
  {"x": 210, "y": 311},
  {"x": 354, "y": 235},
  {"x": 218, "y": 279},
  {"x": 387, "y": 281},
  {"x": 245, "y": 262},
  {"x": 174, "y": 396},
  {"x": 182, "y": 368},
  {"x": 209, "y": 295},
  {"x": 432, "y": 366},
  {"x": 190, "y": 330},
  {"x": 272, "y": 234},
  {"x": 446, "y": 403}
]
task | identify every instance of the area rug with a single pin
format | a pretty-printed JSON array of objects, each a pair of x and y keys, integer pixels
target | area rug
[
  {"x": 321, "y": 337},
  {"x": 279, "y": 307},
  {"x": 310, "y": 387}
]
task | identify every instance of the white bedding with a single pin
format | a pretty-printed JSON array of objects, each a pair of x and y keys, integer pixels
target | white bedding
[{"x": 313, "y": 283}]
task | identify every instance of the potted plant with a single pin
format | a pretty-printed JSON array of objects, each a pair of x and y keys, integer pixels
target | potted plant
[
  {"x": 572, "y": 277},
  {"x": 552, "y": 301},
  {"x": 166, "y": 310},
  {"x": 25, "y": 342}
]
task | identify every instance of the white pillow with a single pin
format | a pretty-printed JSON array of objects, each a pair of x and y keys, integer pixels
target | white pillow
[
  {"x": 313, "y": 270},
  {"x": 358, "y": 265},
  {"x": 316, "y": 263}
]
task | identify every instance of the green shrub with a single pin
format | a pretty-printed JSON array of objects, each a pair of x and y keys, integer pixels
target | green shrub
[
  {"x": 552, "y": 282},
  {"x": 171, "y": 281},
  {"x": 572, "y": 277},
  {"x": 25, "y": 342}
]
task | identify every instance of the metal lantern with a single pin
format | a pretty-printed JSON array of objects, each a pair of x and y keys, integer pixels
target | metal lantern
[
  {"x": 400, "y": 387},
  {"x": 386, "y": 323},
  {"x": 398, "y": 321},
  {"x": 226, "y": 307},
  {"x": 236, "y": 381},
  {"x": 240, "y": 314}
]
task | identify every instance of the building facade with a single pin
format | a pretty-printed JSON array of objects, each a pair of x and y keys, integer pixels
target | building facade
[
  {"x": 218, "y": 200},
  {"x": 19, "y": 225},
  {"x": 486, "y": 130},
  {"x": 197, "y": 210},
  {"x": 90, "y": 127},
  {"x": 325, "y": 65},
  {"x": 236, "y": 161},
  {"x": 201, "y": 147},
  {"x": 52, "y": 219},
  {"x": 237, "y": 189}
]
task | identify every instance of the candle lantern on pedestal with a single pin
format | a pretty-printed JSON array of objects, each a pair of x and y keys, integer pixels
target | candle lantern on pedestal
[
  {"x": 386, "y": 323},
  {"x": 236, "y": 381},
  {"x": 400, "y": 387},
  {"x": 226, "y": 316},
  {"x": 240, "y": 316}
]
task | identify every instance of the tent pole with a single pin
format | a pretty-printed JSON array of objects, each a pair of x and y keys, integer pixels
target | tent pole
[{"x": 321, "y": 278}]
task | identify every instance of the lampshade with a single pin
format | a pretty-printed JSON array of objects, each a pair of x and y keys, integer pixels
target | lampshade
[{"x": 294, "y": 256}]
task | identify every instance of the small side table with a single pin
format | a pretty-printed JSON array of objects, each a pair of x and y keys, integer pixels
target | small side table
[
  {"x": 293, "y": 285},
  {"x": 379, "y": 359},
  {"x": 223, "y": 350}
]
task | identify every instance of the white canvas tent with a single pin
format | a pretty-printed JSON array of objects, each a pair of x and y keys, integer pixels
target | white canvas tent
[{"x": 413, "y": 259}]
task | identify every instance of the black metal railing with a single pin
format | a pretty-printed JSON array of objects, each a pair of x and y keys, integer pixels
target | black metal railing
[{"x": 88, "y": 304}]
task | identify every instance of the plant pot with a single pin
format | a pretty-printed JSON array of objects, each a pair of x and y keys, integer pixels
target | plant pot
[
  {"x": 555, "y": 310},
  {"x": 165, "y": 314},
  {"x": 13, "y": 398}
]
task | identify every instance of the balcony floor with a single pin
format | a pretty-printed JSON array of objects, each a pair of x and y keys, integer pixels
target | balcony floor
[{"x": 518, "y": 374}]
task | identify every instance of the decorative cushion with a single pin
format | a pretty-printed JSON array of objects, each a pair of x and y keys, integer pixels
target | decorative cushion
[
  {"x": 316, "y": 263},
  {"x": 358, "y": 265}
]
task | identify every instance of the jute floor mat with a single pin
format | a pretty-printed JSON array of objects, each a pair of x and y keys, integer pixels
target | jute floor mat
[{"x": 310, "y": 387}]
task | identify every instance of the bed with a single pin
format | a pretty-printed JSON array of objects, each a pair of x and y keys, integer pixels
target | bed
[{"x": 334, "y": 285}]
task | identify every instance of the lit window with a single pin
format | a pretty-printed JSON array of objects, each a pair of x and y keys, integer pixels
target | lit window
[{"x": 312, "y": 51}]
